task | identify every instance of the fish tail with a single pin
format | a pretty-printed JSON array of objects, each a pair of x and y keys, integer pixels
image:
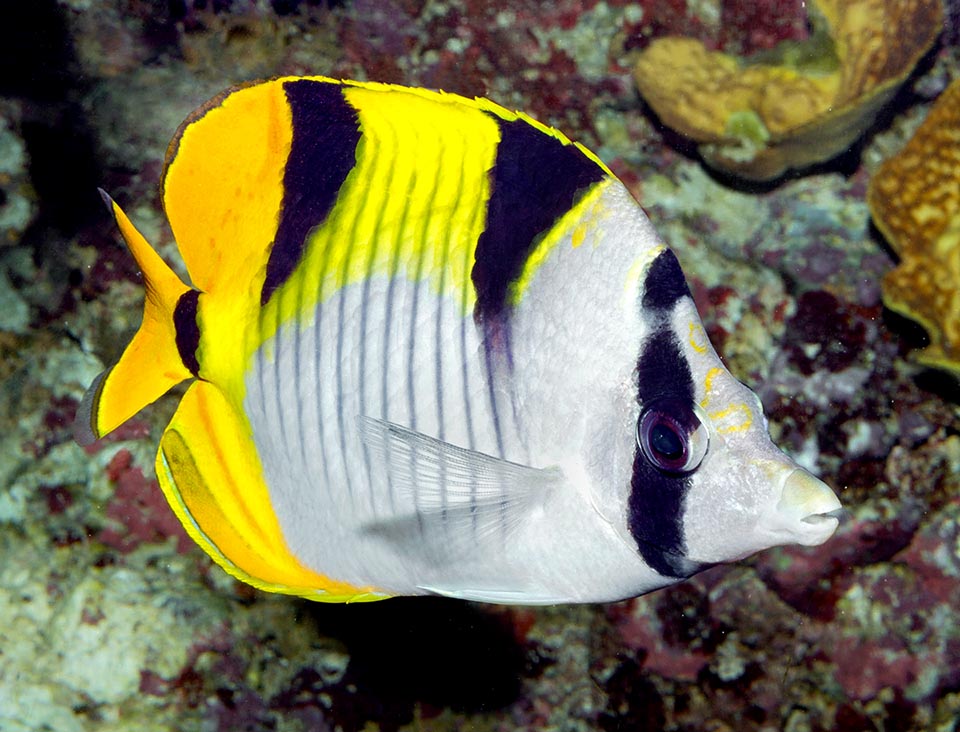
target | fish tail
[{"x": 152, "y": 362}]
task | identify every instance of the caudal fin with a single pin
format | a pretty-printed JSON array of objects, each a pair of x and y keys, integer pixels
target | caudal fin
[{"x": 151, "y": 363}]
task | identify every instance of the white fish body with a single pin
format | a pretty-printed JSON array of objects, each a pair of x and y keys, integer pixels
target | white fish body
[{"x": 459, "y": 368}]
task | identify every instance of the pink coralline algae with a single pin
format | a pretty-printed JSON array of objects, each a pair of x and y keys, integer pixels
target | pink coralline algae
[{"x": 139, "y": 510}]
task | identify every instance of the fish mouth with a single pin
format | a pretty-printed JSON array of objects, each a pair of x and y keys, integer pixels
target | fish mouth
[
  {"x": 840, "y": 515},
  {"x": 808, "y": 512}
]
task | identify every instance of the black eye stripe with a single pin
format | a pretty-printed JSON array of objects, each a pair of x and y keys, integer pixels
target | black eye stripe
[
  {"x": 656, "y": 504},
  {"x": 664, "y": 285},
  {"x": 662, "y": 369}
]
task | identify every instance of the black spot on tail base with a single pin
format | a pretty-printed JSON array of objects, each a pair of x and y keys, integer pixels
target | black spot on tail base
[
  {"x": 535, "y": 180},
  {"x": 186, "y": 329},
  {"x": 323, "y": 152}
]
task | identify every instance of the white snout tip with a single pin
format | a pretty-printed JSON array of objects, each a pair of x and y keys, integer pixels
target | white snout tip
[{"x": 808, "y": 509}]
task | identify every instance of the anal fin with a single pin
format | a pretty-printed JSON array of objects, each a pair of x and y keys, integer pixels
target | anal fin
[{"x": 210, "y": 473}]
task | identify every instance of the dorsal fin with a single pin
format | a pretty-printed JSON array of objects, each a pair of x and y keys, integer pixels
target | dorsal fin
[
  {"x": 223, "y": 185},
  {"x": 251, "y": 173}
]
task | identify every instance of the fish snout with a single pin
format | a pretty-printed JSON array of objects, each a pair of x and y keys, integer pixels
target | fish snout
[{"x": 808, "y": 511}]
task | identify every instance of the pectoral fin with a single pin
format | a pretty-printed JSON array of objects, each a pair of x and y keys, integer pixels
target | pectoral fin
[{"x": 464, "y": 500}]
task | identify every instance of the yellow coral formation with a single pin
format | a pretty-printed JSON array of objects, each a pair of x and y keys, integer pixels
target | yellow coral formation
[
  {"x": 756, "y": 118},
  {"x": 915, "y": 202}
]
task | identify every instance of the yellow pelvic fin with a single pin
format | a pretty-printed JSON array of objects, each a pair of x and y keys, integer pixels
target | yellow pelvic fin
[
  {"x": 210, "y": 473},
  {"x": 151, "y": 363}
]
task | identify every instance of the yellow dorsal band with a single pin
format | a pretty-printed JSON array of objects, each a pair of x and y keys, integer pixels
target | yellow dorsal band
[{"x": 428, "y": 146}]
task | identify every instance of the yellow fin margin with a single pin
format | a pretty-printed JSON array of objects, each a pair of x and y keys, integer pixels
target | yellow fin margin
[
  {"x": 208, "y": 469},
  {"x": 151, "y": 363}
]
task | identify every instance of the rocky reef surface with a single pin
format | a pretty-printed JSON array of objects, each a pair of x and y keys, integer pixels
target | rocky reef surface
[{"x": 110, "y": 618}]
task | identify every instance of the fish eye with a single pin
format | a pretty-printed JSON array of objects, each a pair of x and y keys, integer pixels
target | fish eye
[{"x": 672, "y": 435}]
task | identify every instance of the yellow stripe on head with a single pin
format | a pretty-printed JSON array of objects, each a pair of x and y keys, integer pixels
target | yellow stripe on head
[
  {"x": 712, "y": 374},
  {"x": 734, "y": 418},
  {"x": 579, "y": 223}
]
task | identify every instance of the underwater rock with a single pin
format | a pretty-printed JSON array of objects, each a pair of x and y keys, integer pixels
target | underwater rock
[
  {"x": 798, "y": 104},
  {"x": 915, "y": 201},
  {"x": 17, "y": 199}
]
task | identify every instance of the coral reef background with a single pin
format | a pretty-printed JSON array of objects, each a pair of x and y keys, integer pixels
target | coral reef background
[{"x": 110, "y": 619}]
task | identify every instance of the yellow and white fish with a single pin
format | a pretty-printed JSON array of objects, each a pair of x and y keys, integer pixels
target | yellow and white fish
[{"x": 436, "y": 348}]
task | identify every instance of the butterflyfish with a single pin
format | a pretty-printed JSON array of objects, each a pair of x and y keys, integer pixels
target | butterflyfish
[{"x": 435, "y": 347}]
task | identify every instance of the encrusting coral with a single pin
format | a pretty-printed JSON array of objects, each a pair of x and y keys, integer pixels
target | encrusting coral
[
  {"x": 800, "y": 103},
  {"x": 915, "y": 201}
]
